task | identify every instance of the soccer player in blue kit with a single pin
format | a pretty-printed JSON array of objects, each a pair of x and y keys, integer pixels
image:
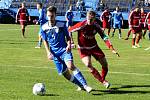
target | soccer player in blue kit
[
  {"x": 69, "y": 18},
  {"x": 41, "y": 21},
  {"x": 58, "y": 47},
  {"x": 117, "y": 21}
]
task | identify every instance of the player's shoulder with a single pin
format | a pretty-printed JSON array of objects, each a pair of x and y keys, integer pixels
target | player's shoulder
[{"x": 45, "y": 26}]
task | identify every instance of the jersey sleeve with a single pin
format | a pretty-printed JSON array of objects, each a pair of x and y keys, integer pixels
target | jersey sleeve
[{"x": 43, "y": 35}]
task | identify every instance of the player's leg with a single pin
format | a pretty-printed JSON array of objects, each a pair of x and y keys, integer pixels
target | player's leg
[
  {"x": 100, "y": 57},
  {"x": 68, "y": 58},
  {"x": 104, "y": 71},
  {"x": 119, "y": 28},
  {"x": 63, "y": 70},
  {"x": 149, "y": 35},
  {"x": 129, "y": 32},
  {"x": 139, "y": 36},
  {"x": 133, "y": 40},
  {"x": 145, "y": 30},
  {"x": 87, "y": 62},
  {"x": 108, "y": 31},
  {"x": 39, "y": 38},
  {"x": 113, "y": 33}
]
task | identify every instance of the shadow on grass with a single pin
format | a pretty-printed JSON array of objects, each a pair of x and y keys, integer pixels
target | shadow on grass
[
  {"x": 51, "y": 95},
  {"x": 117, "y": 91}
]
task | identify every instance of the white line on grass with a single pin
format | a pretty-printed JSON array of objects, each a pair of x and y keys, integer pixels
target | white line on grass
[{"x": 126, "y": 73}]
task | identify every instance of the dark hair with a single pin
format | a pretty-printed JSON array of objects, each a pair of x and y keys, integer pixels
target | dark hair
[
  {"x": 91, "y": 12},
  {"x": 52, "y": 9},
  {"x": 39, "y": 3}
]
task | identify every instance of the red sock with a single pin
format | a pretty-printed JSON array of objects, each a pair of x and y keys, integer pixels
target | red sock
[
  {"x": 133, "y": 41},
  {"x": 104, "y": 72},
  {"x": 129, "y": 32},
  {"x": 97, "y": 75}
]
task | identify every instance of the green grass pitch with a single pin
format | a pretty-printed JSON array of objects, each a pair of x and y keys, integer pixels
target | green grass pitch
[{"x": 21, "y": 65}]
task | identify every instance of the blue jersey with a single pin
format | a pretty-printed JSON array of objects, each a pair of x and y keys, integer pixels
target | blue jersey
[
  {"x": 69, "y": 15},
  {"x": 117, "y": 17},
  {"x": 56, "y": 37},
  {"x": 42, "y": 17}
]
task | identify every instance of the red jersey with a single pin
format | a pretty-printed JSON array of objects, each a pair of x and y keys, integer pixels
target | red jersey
[
  {"x": 105, "y": 16},
  {"x": 86, "y": 34},
  {"x": 143, "y": 17},
  {"x": 134, "y": 19},
  {"x": 22, "y": 14}
]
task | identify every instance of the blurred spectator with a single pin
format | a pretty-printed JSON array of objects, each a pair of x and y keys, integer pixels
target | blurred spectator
[
  {"x": 147, "y": 3},
  {"x": 78, "y": 5},
  {"x": 101, "y": 6}
]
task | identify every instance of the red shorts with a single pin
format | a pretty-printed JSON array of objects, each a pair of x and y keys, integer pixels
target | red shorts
[
  {"x": 23, "y": 23},
  {"x": 136, "y": 30},
  {"x": 96, "y": 52},
  {"x": 106, "y": 24},
  {"x": 149, "y": 27}
]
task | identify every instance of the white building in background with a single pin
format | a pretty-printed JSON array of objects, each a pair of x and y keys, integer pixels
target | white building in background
[{"x": 5, "y": 4}]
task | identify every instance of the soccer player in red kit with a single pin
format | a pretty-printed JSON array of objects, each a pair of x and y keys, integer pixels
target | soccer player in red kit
[
  {"x": 148, "y": 22},
  {"x": 87, "y": 46},
  {"x": 143, "y": 24},
  {"x": 134, "y": 24},
  {"x": 106, "y": 18},
  {"x": 22, "y": 16}
]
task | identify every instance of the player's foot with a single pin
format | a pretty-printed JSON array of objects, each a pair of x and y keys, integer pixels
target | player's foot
[
  {"x": 133, "y": 46},
  {"x": 106, "y": 84},
  {"x": 38, "y": 47},
  {"x": 137, "y": 45},
  {"x": 119, "y": 37},
  {"x": 80, "y": 88},
  {"x": 126, "y": 38},
  {"x": 88, "y": 88},
  {"x": 73, "y": 45}
]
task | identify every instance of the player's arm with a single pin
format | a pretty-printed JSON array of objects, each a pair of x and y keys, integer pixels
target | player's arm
[
  {"x": 46, "y": 45},
  {"x": 66, "y": 16},
  {"x": 28, "y": 15},
  {"x": 101, "y": 17},
  {"x": 68, "y": 38},
  {"x": 17, "y": 15},
  {"x": 106, "y": 40},
  {"x": 77, "y": 26},
  {"x": 130, "y": 18},
  {"x": 122, "y": 18},
  {"x": 146, "y": 18}
]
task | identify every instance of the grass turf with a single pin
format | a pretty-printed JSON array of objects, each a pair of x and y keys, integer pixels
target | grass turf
[{"x": 21, "y": 65}]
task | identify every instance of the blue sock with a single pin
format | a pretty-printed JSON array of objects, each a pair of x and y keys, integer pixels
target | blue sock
[
  {"x": 40, "y": 43},
  {"x": 75, "y": 81},
  {"x": 78, "y": 75}
]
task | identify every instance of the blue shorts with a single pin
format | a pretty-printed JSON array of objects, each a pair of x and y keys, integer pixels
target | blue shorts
[
  {"x": 60, "y": 64},
  {"x": 117, "y": 25}
]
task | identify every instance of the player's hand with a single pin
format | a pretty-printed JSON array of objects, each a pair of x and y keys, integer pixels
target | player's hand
[
  {"x": 50, "y": 56},
  {"x": 113, "y": 51},
  {"x": 37, "y": 23},
  {"x": 68, "y": 48}
]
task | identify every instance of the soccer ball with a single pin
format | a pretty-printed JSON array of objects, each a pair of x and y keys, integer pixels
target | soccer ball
[{"x": 39, "y": 89}]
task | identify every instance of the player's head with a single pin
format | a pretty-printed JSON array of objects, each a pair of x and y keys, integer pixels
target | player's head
[
  {"x": 39, "y": 6},
  {"x": 137, "y": 9},
  {"x": 70, "y": 7},
  {"x": 90, "y": 16},
  {"x": 117, "y": 8},
  {"x": 23, "y": 5},
  {"x": 51, "y": 14}
]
